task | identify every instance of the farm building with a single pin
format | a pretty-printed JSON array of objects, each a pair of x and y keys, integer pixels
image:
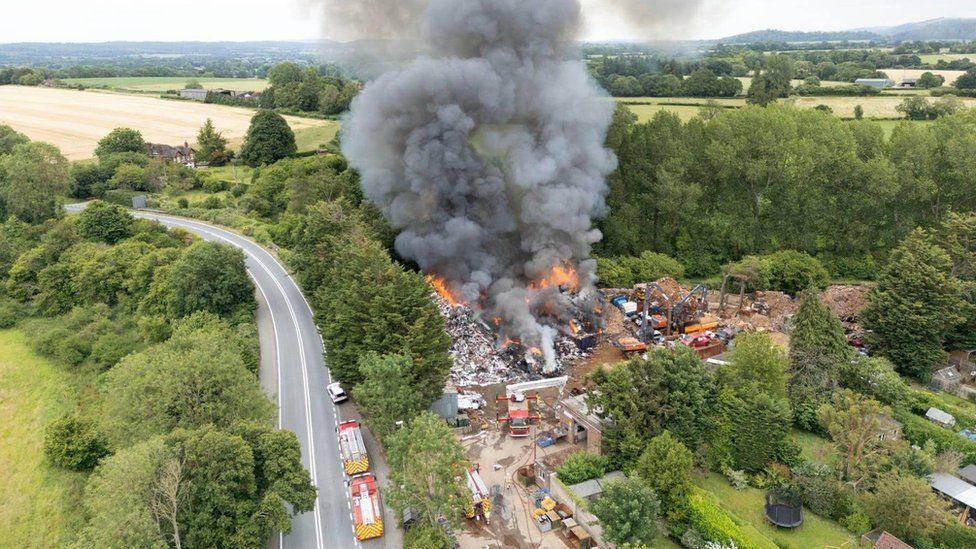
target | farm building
[
  {"x": 184, "y": 154},
  {"x": 968, "y": 473},
  {"x": 956, "y": 490},
  {"x": 879, "y": 83},
  {"x": 194, "y": 94}
]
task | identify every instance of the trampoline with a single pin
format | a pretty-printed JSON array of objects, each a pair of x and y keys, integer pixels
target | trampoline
[{"x": 784, "y": 509}]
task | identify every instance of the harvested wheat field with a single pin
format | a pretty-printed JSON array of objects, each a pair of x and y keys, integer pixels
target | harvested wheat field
[{"x": 75, "y": 121}]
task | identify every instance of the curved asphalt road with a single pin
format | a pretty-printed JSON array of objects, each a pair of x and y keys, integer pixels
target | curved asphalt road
[{"x": 293, "y": 355}]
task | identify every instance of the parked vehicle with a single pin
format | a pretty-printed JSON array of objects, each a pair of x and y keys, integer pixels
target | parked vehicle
[
  {"x": 367, "y": 511},
  {"x": 355, "y": 460},
  {"x": 336, "y": 393}
]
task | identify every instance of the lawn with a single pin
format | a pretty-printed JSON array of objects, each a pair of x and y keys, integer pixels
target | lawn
[
  {"x": 933, "y": 58},
  {"x": 889, "y": 125},
  {"x": 812, "y": 447},
  {"x": 167, "y": 83},
  {"x": 747, "y": 506},
  {"x": 40, "y": 506}
]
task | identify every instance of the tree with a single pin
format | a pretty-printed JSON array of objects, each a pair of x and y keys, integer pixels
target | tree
[
  {"x": 665, "y": 466},
  {"x": 285, "y": 73},
  {"x": 858, "y": 426},
  {"x": 905, "y": 506},
  {"x": 209, "y": 277},
  {"x": 817, "y": 329},
  {"x": 628, "y": 511},
  {"x": 858, "y": 112},
  {"x": 385, "y": 395},
  {"x": 930, "y": 80},
  {"x": 10, "y": 139},
  {"x": 193, "y": 84},
  {"x": 427, "y": 470},
  {"x": 197, "y": 377},
  {"x": 774, "y": 82},
  {"x": 73, "y": 443},
  {"x": 200, "y": 488},
  {"x": 121, "y": 140},
  {"x": 818, "y": 349},
  {"x": 967, "y": 81},
  {"x": 757, "y": 427},
  {"x": 32, "y": 179},
  {"x": 104, "y": 222},
  {"x": 914, "y": 307},
  {"x": 875, "y": 377},
  {"x": 371, "y": 304},
  {"x": 211, "y": 145},
  {"x": 268, "y": 140},
  {"x": 756, "y": 364}
]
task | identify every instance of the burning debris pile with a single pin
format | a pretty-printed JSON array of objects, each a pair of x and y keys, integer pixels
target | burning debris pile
[{"x": 480, "y": 359}]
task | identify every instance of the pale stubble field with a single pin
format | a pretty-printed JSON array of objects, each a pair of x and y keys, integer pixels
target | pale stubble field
[{"x": 74, "y": 121}]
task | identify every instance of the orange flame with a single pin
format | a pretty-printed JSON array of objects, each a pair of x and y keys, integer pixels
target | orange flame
[
  {"x": 574, "y": 327},
  {"x": 561, "y": 275},
  {"x": 535, "y": 351},
  {"x": 440, "y": 286}
]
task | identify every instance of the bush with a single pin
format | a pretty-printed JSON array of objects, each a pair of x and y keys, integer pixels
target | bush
[
  {"x": 624, "y": 272},
  {"x": 238, "y": 190},
  {"x": 955, "y": 535},
  {"x": 104, "y": 222},
  {"x": 785, "y": 271},
  {"x": 582, "y": 466},
  {"x": 183, "y": 203},
  {"x": 859, "y": 523},
  {"x": 10, "y": 313},
  {"x": 212, "y": 185},
  {"x": 110, "y": 348},
  {"x": 72, "y": 443},
  {"x": 211, "y": 203},
  {"x": 427, "y": 537},
  {"x": 708, "y": 519},
  {"x": 122, "y": 197},
  {"x": 918, "y": 430}
]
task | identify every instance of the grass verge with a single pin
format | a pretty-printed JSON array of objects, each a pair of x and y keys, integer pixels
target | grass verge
[{"x": 40, "y": 505}]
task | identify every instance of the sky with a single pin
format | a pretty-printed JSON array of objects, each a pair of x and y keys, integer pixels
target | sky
[{"x": 245, "y": 20}]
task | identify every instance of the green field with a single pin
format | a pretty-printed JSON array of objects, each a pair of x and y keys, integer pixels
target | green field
[
  {"x": 933, "y": 58},
  {"x": 312, "y": 138},
  {"x": 747, "y": 506},
  {"x": 40, "y": 506},
  {"x": 813, "y": 448},
  {"x": 167, "y": 83}
]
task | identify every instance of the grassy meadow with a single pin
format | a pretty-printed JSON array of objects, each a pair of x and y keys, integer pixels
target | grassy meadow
[
  {"x": 40, "y": 506},
  {"x": 166, "y": 83}
]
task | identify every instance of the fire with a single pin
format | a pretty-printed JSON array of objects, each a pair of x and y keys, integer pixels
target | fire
[
  {"x": 561, "y": 275},
  {"x": 440, "y": 286},
  {"x": 535, "y": 351},
  {"x": 574, "y": 327}
]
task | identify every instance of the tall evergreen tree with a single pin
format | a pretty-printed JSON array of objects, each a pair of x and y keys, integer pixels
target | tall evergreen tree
[
  {"x": 915, "y": 306},
  {"x": 211, "y": 145}
]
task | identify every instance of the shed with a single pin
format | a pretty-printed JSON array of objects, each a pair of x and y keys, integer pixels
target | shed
[
  {"x": 968, "y": 473},
  {"x": 954, "y": 488},
  {"x": 447, "y": 405},
  {"x": 888, "y": 541},
  {"x": 947, "y": 380},
  {"x": 941, "y": 418},
  {"x": 878, "y": 83},
  {"x": 591, "y": 490},
  {"x": 194, "y": 94}
]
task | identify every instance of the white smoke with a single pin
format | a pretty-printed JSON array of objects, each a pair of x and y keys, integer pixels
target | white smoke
[{"x": 487, "y": 155}]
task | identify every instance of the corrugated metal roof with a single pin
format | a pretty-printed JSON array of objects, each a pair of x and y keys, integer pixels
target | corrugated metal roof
[
  {"x": 939, "y": 416},
  {"x": 968, "y": 473},
  {"x": 955, "y": 488}
]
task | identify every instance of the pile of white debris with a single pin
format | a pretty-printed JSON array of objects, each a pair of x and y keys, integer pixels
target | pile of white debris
[{"x": 478, "y": 358}]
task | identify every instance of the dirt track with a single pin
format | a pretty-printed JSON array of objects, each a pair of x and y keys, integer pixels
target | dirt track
[{"x": 75, "y": 121}]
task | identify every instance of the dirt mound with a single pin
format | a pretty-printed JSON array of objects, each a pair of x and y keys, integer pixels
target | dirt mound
[{"x": 846, "y": 302}]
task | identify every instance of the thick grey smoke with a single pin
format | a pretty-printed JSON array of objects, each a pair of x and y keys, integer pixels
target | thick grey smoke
[{"x": 488, "y": 156}]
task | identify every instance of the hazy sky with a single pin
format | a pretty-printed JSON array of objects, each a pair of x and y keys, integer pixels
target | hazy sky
[{"x": 173, "y": 20}]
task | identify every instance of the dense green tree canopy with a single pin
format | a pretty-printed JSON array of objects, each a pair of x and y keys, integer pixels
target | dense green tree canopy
[
  {"x": 209, "y": 277},
  {"x": 104, "y": 222},
  {"x": 33, "y": 178},
  {"x": 121, "y": 140},
  {"x": 628, "y": 511},
  {"x": 269, "y": 139},
  {"x": 10, "y": 139}
]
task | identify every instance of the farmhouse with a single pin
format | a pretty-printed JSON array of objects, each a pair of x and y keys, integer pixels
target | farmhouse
[
  {"x": 879, "y": 83},
  {"x": 184, "y": 154}
]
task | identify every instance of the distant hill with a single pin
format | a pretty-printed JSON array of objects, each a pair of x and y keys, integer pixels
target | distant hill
[{"x": 934, "y": 29}]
